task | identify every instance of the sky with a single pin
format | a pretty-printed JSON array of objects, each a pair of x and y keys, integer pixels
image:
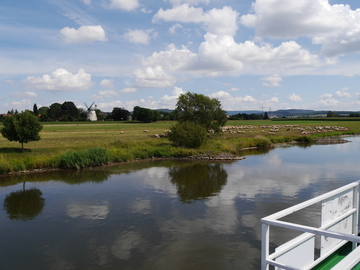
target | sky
[{"x": 251, "y": 55}]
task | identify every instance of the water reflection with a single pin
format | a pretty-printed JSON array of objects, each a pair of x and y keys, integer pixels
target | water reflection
[
  {"x": 198, "y": 181},
  {"x": 168, "y": 214},
  {"x": 67, "y": 176},
  {"x": 24, "y": 204},
  {"x": 88, "y": 210}
]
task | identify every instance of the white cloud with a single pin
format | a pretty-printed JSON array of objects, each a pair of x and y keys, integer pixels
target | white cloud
[
  {"x": 327, "y": 103},
  {"x": 153, "y": 77},
  {"x": 9, "y": 82},
  {"x": 139, "y": 36},
  {"x": 190, "y": 2},
  {"x": 220, "y": 95},
  {"x": 272, "y": 81},
  {"x": 234, "y": 102},
  {"x": 219, "y": 54},
  {"x": 288, "y": 54},
  {"x": 60, "y": 80},
  {"x": 273, "y": 100},
  {"x": 216, "y": 21},
  {"x": 24, "y": 103},
  {"x": 104, "y": 94},
  {"x": 87, "y": 2},
  {"x": 170, "y": 101},
  {"x": 85, "y": 34},
  {"x": 341, "y": 94},
  {"x": 326, "y": 96},
  {"x": 128, "y": 90},
  {"x": 311, "y": 18},
  {"x": 126, "y": 5},
  {"x": 106, "y": 83},
  {"x": 167, "y": 101},
  {"x": 28, "y": 94},
  {"x": 234, "y": 89},
  {"x": 294, "y": 97},
  {"x": 248, "y": 98},
  {"x": 173, "y": 28},
  {"x": 144, "y": 10},
  {"x": 178, "y": 91}
]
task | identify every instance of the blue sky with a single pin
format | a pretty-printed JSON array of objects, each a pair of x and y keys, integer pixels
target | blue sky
[{"x": 271, "y": 54}]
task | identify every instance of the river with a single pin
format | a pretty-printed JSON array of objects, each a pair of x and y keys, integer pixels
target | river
[{"x": 163, "y": 214}]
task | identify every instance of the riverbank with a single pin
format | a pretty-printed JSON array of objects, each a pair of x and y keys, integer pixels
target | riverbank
[{"x": 121, "y": 142}]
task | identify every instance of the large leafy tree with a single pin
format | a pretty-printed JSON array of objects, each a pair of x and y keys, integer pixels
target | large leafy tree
[
  {"x": 120, "y": 114},
  {"x": 143, "y": 114},
  {"x": 69, "y": 109},
  {"x": 55, "y": 111},
  {"x": 23, "y": 127},
  {"x": 201, "y": 110}
]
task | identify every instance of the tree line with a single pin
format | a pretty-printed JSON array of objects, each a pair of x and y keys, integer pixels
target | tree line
[
  {"x": 67, "y": 111},
  {"x": 252, "y": 116}
]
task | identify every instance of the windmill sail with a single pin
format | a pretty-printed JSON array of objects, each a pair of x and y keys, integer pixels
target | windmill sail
[{"x": 90, "y": 112}]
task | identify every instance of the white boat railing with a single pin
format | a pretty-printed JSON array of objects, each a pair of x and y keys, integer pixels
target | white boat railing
[{"x": 339, "y": 225}]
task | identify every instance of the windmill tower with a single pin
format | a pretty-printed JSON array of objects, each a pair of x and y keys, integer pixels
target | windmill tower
[{"x": 90, "y": 112}]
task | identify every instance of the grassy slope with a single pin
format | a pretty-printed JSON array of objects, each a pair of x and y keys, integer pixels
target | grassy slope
[{"x": 60, "y": 138}]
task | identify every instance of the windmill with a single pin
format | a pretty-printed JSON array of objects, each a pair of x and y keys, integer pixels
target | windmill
[{"x": 90, "y": 112}]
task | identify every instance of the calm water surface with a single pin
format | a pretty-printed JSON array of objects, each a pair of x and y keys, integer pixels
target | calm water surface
[{"x": 162, "y": 214}]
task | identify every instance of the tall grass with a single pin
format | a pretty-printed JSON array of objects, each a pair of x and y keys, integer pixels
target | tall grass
[{"x": 91, "y": 157}]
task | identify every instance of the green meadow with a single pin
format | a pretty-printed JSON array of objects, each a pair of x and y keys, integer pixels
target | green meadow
[{"x": 87, "y": 144}]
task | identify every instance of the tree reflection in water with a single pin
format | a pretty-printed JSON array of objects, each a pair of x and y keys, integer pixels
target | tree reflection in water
[
  {"x": 24, "y": 204},
  {"x": 198, "y": 181}
]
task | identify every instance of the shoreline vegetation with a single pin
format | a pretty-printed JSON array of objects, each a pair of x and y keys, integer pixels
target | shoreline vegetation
[{"x": 76, "y": 145}]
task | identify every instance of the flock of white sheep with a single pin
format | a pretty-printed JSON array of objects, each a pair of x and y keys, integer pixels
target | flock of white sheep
[{"x": 270, "y": 129}]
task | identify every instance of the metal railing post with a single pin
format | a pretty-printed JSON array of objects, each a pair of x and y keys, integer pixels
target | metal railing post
[{"x": 265, "y": 231}]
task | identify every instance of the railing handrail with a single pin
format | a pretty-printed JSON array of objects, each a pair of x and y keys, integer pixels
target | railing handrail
[
  {"x": 310, "y": 202},
  {"x": 273, "y": 220}
]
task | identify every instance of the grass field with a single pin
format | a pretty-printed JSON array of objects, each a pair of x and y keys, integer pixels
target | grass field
[{"x": 126, "y": 141}]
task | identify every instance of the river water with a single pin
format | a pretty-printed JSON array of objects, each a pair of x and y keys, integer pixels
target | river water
[{"x": 163, "y": 214}]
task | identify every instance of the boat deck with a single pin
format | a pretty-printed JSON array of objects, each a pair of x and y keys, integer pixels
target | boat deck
[{"x": 335, "y": 258}]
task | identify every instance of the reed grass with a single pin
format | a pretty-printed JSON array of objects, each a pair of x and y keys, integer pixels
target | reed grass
[{"x": 91, "y": 157}]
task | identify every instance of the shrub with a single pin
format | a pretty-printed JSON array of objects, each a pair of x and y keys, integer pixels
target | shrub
[
  {"x": 91, "y": 157},
  {"x": 187, "y": 134}
]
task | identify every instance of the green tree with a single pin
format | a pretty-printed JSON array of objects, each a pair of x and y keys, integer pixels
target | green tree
[
  {"x": 69, "y": 109},
  {"x": 266, "y": 116},
  {"x": 23, "y": 127},
  {"x": 43, "y": 112},
  {"x": 35, "y": 110},
  {"x": 330, "y": 114},
  {"x": 120, "y": 114},
  {"x": 201, "y": 110},
  {"x": 143, "y": 114},
  {"x": 187, "y": 134},
  {"x": 55, "y": 111}
]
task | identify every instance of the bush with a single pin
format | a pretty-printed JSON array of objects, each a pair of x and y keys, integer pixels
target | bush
[
  {"x": 91, "y": 157},
  {"x": 187, "y": 134}
]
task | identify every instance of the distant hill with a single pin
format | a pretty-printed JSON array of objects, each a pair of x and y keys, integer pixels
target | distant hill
[
  {"x": 164, "y": 110},
  {"x": 283, "y": 113},
  {"x": 293, "y": 113}
]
